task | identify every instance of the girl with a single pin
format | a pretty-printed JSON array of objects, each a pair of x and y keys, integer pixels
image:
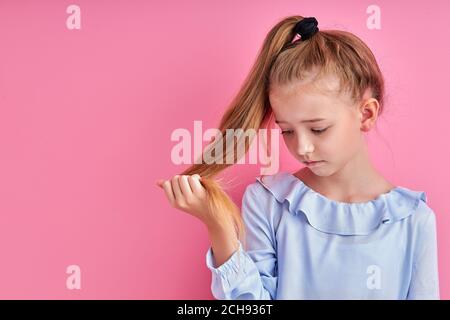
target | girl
[{"x": 335, "y": 229}]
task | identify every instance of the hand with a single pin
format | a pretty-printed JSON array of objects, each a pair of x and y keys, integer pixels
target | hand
[{"x": 185, "y": 192}]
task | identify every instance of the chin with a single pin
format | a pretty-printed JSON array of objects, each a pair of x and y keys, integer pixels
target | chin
[{"x": 322, "y": 171}]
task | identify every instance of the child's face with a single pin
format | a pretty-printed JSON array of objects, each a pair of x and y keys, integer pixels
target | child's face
[{"x": 342, "y": 138}]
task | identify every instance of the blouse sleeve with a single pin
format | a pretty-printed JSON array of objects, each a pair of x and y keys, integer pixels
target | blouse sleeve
[
  {"x": 249, "y": 274},
  {"x": 424, "y": 281}
]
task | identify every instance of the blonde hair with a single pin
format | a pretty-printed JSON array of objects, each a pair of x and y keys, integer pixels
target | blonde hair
[{"x": 281, "y": 61}]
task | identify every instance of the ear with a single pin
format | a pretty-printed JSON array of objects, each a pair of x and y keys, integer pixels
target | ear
[{"x": 369, "y": 114}]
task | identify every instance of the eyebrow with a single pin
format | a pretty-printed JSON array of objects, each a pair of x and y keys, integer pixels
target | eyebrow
[{"x": 311, "y": 120}]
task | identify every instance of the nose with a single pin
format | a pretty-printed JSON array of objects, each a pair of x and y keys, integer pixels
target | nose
[{"x": 304, "y": 146}]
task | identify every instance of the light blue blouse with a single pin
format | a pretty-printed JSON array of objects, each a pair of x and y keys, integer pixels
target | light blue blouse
[{"x": 303, "y": 245}]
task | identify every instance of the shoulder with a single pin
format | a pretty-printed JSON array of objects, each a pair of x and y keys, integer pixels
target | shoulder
[
  {"x": 264, "y": 198},
  {"x": 408, "y": 205},
  {"x": 268, "y": 188},
  {"x": 422, "y": 233},
  {"x": 424, "y": 218},
  {"x": 421, "y": 222}
]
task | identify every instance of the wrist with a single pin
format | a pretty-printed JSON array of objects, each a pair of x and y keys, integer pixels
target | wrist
[{"x": 219, "y": 226}]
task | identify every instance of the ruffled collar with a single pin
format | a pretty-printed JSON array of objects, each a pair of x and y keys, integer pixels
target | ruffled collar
[{"x": 343, "y": 218}]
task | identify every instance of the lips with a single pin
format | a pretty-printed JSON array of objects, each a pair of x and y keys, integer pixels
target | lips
[{"x": 312, "y": 163}]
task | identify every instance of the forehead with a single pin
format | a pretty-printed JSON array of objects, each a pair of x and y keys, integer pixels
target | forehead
[{"x": 307, "y": 100}]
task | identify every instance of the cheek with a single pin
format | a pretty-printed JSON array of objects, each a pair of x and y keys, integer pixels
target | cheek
[
  {"x": 289, "y": 142},
  {"x": 338, "y": 140},
  {"x": 345, "y": 138}
]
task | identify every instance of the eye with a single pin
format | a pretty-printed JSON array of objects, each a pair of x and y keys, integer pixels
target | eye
[
  {"x": 315, "y": 131},
  {"x": 318, "y": 131}
]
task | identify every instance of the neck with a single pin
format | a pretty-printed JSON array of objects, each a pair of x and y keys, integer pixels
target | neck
[{"x": 357, "y": 176}]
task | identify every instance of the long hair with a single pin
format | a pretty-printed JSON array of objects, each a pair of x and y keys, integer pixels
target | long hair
[{"x": 281, "y": 61}]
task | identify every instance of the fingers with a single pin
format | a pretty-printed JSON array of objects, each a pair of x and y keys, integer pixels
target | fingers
[
  {"x": 194, "y": 182},
  {"x": 159, "y": 183},
  {"x": 185, "y": 187},
  {"x": 167, "y": 186},
  {"x": 176, "y": 188},
  {"x": 181, "y": 187}
]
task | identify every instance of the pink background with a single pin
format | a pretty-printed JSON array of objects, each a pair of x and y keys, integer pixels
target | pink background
[{"x": 86, "y": 117}]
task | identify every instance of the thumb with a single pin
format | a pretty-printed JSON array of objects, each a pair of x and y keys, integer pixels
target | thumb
[{"x": 159, "y": 182}]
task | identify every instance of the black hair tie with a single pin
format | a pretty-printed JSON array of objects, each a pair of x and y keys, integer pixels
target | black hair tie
[{"x": 306, "y": 28}]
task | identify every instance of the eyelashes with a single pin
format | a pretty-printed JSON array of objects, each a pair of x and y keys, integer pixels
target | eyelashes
[{"x": 317, "y": 132}]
